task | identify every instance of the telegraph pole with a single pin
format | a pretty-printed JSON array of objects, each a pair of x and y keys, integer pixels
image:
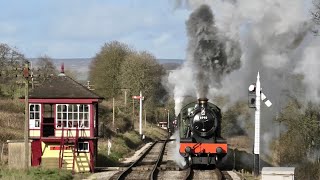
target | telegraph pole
[
  {"x": 26, "y": 116},
  {"x": 26, "y": 74}
]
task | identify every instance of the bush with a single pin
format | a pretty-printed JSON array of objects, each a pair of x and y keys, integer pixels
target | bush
[
  {"x": 11, "y": 119},
  {"x": 12, "y": 106},
  {"x": 308, "y": 170}
]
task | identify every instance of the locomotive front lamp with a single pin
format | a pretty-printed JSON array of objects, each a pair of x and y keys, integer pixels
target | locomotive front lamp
[
  {"x": 219, "y": 150},
  {"x": 188, "y": 149}
]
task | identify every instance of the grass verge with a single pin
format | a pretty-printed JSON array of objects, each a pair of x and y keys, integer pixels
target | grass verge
[
  {"x": 124, "y": 145},
  {"x": 35, "y": 174}
]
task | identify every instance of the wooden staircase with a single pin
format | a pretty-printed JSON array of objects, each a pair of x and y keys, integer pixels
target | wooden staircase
[
  {"x": 68, "y": 150},
  {"x": 63, "y": 152}
]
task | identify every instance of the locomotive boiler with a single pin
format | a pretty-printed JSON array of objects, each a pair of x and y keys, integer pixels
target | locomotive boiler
[{"x": 199, "y": 125}]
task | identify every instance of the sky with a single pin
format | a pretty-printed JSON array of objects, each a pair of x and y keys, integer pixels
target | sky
[{"x": 79, "y": 28}]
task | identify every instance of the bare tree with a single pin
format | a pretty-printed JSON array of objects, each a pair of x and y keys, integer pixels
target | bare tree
[
  {"x": 74, "y": 74},
  {"x": 302, "y": 125},
  {"x": 141, "y": 72},
  {"x": 45, "y": 68},
  {"x": 11, "y": 61},
  {"x": 316, "y": 12},
  {"x": 105, "y": 68}
]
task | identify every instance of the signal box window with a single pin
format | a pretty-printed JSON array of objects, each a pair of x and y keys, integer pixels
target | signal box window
[
  {"x": 34, "y": 116},
  {"x": 73, "y": 115},
  {"x": 83, "y": 146}
]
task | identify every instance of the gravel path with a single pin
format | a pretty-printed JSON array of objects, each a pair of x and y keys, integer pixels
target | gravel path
[{"x": 136, "y": 154}]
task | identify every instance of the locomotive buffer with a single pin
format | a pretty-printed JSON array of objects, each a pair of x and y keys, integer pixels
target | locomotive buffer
[{"x": 255, "y": 93}]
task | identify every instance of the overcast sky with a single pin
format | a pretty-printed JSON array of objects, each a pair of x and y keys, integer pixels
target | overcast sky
[{"x": 78, "y": 28}]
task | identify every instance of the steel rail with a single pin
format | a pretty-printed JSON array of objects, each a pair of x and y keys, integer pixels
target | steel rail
[
  {"x": 225, "y": 175},
  {"x": 129, "y": 169},
  {"x": 219, "y": 173},
  {"x": 189, "y": 173},
  {"x": 153, "y": 174}
]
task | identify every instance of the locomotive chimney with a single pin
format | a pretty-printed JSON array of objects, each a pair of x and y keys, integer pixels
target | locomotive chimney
[{"x": 203, "y": 102}]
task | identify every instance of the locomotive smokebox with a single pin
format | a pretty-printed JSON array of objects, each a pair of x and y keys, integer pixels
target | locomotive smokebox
[{"x": 203, "y": 102}]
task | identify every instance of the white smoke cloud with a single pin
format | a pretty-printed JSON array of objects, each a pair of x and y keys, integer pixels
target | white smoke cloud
[
  {"x": 309, "y": 66},
  {"x": 176, "y": 154},
  {"x": 275, "y": 39},
  {"x": 182, "y": 83},
  {"x": 272, "y": 35}
]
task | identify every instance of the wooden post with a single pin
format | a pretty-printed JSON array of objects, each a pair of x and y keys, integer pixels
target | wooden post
[
  {"x": 132, "y": 114},
  {"x": 26, "y": 116},
  {"x": 113, "y": 115},
  {"x": 2, "y": 152},
  {"x": 145, "y": 119},
  {"x": 31, "y": 76},
  {"x": 125, "y": 98}
]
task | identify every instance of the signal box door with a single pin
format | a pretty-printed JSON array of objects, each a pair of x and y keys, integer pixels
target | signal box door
[{"x": 48, "y": 127}]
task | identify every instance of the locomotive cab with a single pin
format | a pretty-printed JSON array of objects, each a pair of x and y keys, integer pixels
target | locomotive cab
[{"x": 199, "y": 125}]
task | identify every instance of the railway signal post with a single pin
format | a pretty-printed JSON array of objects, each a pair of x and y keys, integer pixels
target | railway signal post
[
  {"x": 255, "y": 103},
  {"x": 140, "y": 113}
]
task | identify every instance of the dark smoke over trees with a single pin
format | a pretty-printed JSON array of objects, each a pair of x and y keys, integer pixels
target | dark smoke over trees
[
  {"x": 207, "y": 51},
  {"x": 299, "y": 145}
]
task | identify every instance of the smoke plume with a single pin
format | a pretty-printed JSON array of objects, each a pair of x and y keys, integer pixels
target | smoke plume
[
  {"x": 274, "y": 38},
  {"x": 207, "y": 51},
  {"x": 226, "y": 51},
  {"x": 210, "y": 56}
]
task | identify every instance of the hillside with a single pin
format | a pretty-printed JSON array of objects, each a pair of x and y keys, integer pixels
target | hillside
[
  {"x": 11, "y": 124},
  {"x": 81, "y": 65}
]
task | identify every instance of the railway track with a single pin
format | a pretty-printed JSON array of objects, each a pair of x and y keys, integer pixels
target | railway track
[
  {"x": 157, "y": 162},
  {"x": 168, "y": 168},
  {"x": 213, "y": 174},
  {"x": 146, "y": 166}
]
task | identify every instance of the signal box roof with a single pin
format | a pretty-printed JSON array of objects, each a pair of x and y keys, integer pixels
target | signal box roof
[{"x": 62, "y": 87}]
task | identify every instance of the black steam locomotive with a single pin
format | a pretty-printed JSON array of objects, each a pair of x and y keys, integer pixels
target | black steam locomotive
[{"x": 199, "y": 125}]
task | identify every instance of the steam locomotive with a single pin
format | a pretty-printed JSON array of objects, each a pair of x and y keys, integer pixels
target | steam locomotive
[{"x": 199, "y": 125}]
